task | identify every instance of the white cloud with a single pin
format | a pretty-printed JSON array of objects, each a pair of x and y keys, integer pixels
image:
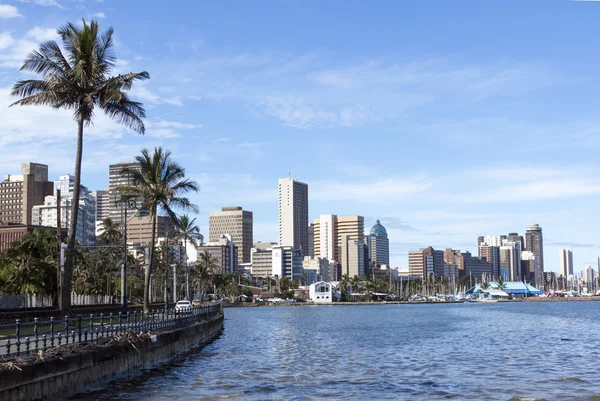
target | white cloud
[
  {"x": 525, "y": 184},
  {"x": 168, "y": 129},
  {"x": 7, "y": 11},
  {"x": 381, "y": 191},
  {"x": 45, "y": 3},
  {"x": 297, "y": 113},
  {"x": 5, "y": 40},
  {"x": 99, "y": 15},
  {"x": 141, "y": 91},
  {"x": 42, "y": 34},
  {"x": 15, "y": 50}
]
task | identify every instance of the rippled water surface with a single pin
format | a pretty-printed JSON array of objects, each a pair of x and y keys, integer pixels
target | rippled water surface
[{"x": 503, "y": 351}]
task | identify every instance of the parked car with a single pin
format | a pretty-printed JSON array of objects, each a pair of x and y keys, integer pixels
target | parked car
[
  {"x": 196, "y": 302},
  {"x": 183, "y": 307}
]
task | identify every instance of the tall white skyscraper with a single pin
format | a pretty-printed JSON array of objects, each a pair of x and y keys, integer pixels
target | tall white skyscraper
[
  {"x": 293, "y": 213},
  {"x": 565, "y": 262}
]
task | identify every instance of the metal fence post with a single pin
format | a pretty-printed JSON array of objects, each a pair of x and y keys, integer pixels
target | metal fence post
[
  {"x": 91, "y": 326},
  {"x": 52, "y": 331},
  {"x": 79, "y": 324},
  {"x": 35, "y": 332},
  {"x": 67, "y": 328},
  {"x": 18, "y": 335}
]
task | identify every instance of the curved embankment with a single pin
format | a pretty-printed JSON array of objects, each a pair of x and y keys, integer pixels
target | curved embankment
[{"x": 74, "y": 372}]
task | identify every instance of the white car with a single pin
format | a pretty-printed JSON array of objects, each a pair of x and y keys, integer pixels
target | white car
[{"x": 183, "y": 307}]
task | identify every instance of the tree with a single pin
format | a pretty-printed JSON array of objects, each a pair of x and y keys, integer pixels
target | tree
[
  {"x": 501, "y": 283},
  {"x": 160, "y": 183},
  {"x": 186, "y": 230},
  {"x": 204, "y": 272},
  {"x": 29, "y": 266},
  {"x": 111, "y": 232},
  {"x": 80, "y": 81}
]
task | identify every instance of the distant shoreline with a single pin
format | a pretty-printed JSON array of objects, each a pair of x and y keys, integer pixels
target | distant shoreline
[
  {"x": 529, "y": 299},
  {"x": 260, "y": 304}
]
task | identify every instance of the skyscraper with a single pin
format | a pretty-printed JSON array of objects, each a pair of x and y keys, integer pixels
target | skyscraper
[
  {"x": 534, "y": 242},
  {"x": 352, "y": 255},
  {"x": 510, "y": 261},
  {"x": 20, "y": 193},
  {"x": 45, "y": 214},
  {"x": 565, "y": 262},
  {"x": 329, "y": 230},
  {"x": 379, "y": 245},
  {"x": 115, "y": 180},
  {"x": 237, "y": 223},
  {"x": 102, "y": 203},
  {"x": 293, "y": 213}
]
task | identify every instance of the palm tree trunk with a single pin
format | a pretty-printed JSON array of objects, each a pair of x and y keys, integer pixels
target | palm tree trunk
[
  {"x": 65, "y": 295},
  {"x": 187, "y": 279},
  {"x": 150, "y": 264}
]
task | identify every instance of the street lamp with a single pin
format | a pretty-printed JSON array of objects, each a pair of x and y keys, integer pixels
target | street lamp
[{"x": 125, "y": 205}]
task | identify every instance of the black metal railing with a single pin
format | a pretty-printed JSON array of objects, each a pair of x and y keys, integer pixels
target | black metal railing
[{"x": 22, "y": 338}]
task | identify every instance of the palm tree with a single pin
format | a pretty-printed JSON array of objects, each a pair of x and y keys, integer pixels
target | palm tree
[
  {"x": 204, "y": 271},
  {"x": 79, "y": 81},
  {"x": 161, "y": 184},
  {"x": 186, "y": 230},
  {"x": 501, "y": 283},
  {"x": 30, "y": 264},
  {"x": 111, "y": 232}
]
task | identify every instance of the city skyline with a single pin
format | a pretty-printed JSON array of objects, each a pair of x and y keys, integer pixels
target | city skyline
[{"x": 350, "y": 121}]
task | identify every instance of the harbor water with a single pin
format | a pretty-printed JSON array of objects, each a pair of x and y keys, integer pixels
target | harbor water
[{"x": 499, "y": 351}]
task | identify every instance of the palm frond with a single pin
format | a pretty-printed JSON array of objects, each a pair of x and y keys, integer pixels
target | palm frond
[{"x": 126, "y": 112}]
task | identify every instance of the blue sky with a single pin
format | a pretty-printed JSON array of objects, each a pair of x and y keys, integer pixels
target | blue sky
[{"x": 446, "y": 120}]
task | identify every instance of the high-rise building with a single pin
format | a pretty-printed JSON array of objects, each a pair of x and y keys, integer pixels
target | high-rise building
[
  {"x": 262, "y": 262},
  {"x": 515, "y": 237},
  {"x": 329, "y": 230},
  {"x": 116, "y": 179},
  {"x": 86, "y": 216},
  {"x": 224, "y": 251},
  {"x": 287, "y": 262},
  {"x": 311, "y": 241},
  {"x": 378, "y": 245},
  {"x": 433, "y": 262},
  {"x": 45, "y": 215},
  {"x": 476, "y": 268},
  {"x": 534, "y": 242},
  {"x": 319, "y": 265},
  {"x": 529, "y": 268},
  {"x": 510, "y": 261},
  {"x": 565, "y": 262},
  {"x": 19, "y": 193},
  {"x": 588, "y": 275},
  {"x": 293, "y": 214},
  {"x": 352, "y": 257},
  {"x": 102, "y": 203},
  {"x": 426, "y": 262},
  {"x": 237, "y": 223},
  {"x": 491, "y": 254},
  {"x": 415, "y": 263}
]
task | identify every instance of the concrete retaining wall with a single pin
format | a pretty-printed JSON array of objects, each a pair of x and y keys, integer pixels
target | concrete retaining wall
[{"x": 64, "y": 378}]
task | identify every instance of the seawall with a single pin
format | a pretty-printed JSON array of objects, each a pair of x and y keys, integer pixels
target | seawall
[{"x": 71, "y": 375}]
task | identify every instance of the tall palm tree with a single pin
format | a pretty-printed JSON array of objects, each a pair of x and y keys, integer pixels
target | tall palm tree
[
  {"x": 186, "y": 230},
  {"x": 161, "y": 184},
  {"x": 204, "y": 271},
  {"x": 80, "y": 80},
  {"x": 111, "y": 232}
]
